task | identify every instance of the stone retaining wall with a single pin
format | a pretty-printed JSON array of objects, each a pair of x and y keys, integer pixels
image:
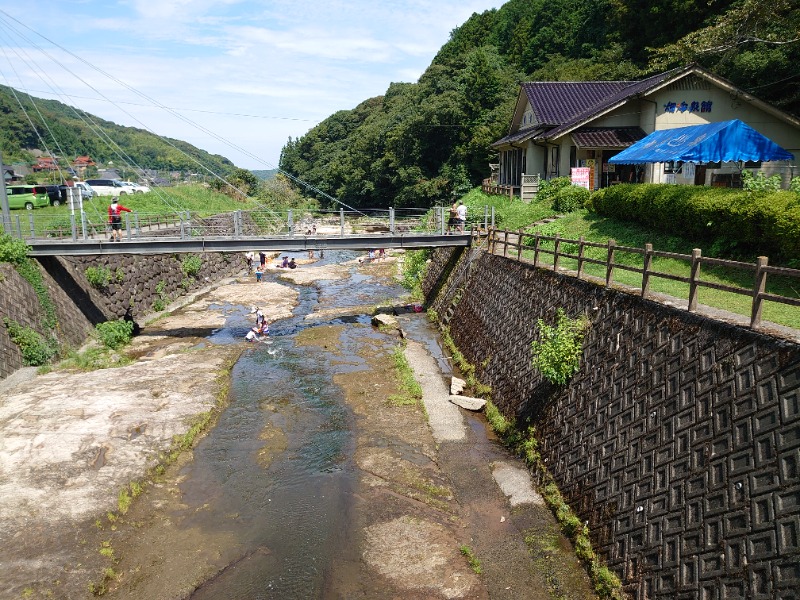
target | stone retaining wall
[
  {"x": 80, "y": 306},
  {"x": 678, "y": 439}
]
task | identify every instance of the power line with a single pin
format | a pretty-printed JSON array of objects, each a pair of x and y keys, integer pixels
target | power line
[{"x": 197, "y": 110}]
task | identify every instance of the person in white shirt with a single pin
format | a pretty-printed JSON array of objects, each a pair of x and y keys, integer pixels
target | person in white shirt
[{"x": 461, "y": 211}]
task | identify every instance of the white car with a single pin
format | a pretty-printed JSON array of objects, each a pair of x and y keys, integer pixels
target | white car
[
  {"x": 137, "y": 189},
  {"x": 109, "y": 187},
  {"x": 87, "y": 193}
]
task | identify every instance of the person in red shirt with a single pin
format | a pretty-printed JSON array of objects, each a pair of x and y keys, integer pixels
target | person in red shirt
[{"x": 115, "y": 218}]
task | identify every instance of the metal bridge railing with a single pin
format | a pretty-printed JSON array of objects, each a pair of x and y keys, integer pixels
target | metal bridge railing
[{"x": 83, "y": 226}]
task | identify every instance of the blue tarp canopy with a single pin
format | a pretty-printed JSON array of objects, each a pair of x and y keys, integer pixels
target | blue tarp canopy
[{"x": 726, "y": 141}]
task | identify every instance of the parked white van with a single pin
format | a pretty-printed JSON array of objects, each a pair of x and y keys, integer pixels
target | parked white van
[{"x": 109, "y": 187}]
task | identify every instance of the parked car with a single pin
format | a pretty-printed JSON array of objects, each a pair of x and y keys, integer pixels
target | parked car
[
  {"x": 57, "y": 197},
  {"x": 87, "y": 192},
  {"x": 109, "y": 187},
  {"x": 27, "y": 196},
  {"x": 137, "y": 188}
]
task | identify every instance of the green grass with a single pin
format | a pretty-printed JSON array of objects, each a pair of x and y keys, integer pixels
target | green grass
[
  {"x": 600, "y": 229},
  {"x": 410, "y": 392},
  {"x": 473, "y": 561},
  {"x": 508, "y": 214},
  {"x": 197, "y": 199}
]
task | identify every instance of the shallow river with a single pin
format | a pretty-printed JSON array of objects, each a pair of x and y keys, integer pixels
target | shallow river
[{"x": 279, "y": 461}]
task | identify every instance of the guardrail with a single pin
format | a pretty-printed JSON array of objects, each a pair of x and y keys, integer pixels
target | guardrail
[
  {"x": 760, "y": 269},
  {"x": 81, "y": 226}
]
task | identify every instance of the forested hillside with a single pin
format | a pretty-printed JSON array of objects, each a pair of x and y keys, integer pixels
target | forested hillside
[
  {"x": 420, "y": 142},
  {"x": 87, "y": 134}
]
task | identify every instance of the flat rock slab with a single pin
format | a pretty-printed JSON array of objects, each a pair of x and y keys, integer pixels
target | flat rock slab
[
  {"x": 384, "y": 320},
  {"x": 468, "y": 403},
  {"x": 516, "y": 484}
]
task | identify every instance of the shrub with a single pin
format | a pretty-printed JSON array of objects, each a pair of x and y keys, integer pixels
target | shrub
[
  {"x": 549, "y": 188},
  {"x": 794, "y": 185},
  {"x": 557, "y": 352},
  {"x": 98, "y": 277},
  {"x": 570, "y": 198},
  {"x": 746, "y": 222},
  {"x": 414, "y": 265},
  {"x": 191, "y": 265},
  {"x": 35, "y": 349},
  {"x": 760, "y": 182},
  {"x": 12, "y": 250},
  {"x": 115, "y": 334}
]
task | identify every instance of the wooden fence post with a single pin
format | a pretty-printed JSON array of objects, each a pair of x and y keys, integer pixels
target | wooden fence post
[
  {"x": 536, "y": 242},
  {"x": 759, "y": 286},
  {"x": 505, "y": 244},
  {"x": 581, "y": 241},
  {"x": 556, "y": 244},
  {"x": 519, "y": 245},
  {"x": 610, "y": 262},
  {"x": 693, "y": 279},
  {"x": 648, "y": 264}
]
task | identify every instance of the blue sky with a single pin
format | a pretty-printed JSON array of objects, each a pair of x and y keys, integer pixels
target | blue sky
[{"x": 249, "y": 73}]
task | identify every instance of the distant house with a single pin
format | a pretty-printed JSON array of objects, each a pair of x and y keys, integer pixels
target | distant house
[
  {"x": 9, "y": 175},
  {"x": 560, "y": 125},
  {"x": 45, "y": 163},
  {"x": 82, "y": 162}
]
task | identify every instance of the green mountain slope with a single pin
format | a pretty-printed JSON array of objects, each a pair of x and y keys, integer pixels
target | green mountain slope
[
  {"x": 79, "y": 133},
  {"x": 419, "y": 143}
]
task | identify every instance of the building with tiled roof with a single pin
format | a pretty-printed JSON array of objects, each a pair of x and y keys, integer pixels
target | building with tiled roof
[{"x": 560, "y": 125}]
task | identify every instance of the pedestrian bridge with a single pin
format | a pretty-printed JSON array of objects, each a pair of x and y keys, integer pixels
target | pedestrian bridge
[
  {"x": 77, "y": 234},
  {"x": 285, "y": 243}
]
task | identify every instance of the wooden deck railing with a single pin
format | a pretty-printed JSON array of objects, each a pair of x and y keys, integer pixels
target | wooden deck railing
[{"x": 516, "y": 241}]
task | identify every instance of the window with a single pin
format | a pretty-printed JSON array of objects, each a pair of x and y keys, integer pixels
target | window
[{"x": 673, "y": 166}]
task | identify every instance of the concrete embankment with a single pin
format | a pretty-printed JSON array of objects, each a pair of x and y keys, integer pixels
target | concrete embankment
[{"x": 677, "y": 439}]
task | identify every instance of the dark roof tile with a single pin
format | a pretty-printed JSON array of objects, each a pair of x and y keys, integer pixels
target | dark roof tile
[{"x": 607, "y": 137}]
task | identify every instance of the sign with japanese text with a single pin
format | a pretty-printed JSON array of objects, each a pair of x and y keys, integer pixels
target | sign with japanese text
[
  {"x": 580, "y": 176},
  {"x": 694, "y": 106}
]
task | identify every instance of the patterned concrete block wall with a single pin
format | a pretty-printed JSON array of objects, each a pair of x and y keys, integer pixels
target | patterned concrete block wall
[
  {"x": 678, "y": 439},
  {"x": 80, "y": 306},
  {"x": 18, "y": 302},
  {"x": 140, "y": 277}
]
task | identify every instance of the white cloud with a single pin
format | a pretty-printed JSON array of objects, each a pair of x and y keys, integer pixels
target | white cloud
[{"x": 281, "y": 61}]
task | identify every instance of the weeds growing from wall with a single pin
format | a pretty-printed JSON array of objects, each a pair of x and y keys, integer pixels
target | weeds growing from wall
[
  {"x": 98, "y": 277},
  {"x": 557, "y": 352},
  {"x": 191, "y": 265},
  {"x": 415, "y": 264},
  {"x": 35, "y": 349},
  {"x": 160, "y": 303}
]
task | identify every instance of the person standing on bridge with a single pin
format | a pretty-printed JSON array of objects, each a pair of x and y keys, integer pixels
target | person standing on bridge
[
  {"x": 115, "y": 218},
  {"x": 461, "y": 211}
]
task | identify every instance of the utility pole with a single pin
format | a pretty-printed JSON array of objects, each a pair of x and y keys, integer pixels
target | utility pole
[{"x": 4, "y": 200}]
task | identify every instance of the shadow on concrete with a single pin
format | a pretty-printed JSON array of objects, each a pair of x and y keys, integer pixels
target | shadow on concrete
[{"x": 73, "y": 289}]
